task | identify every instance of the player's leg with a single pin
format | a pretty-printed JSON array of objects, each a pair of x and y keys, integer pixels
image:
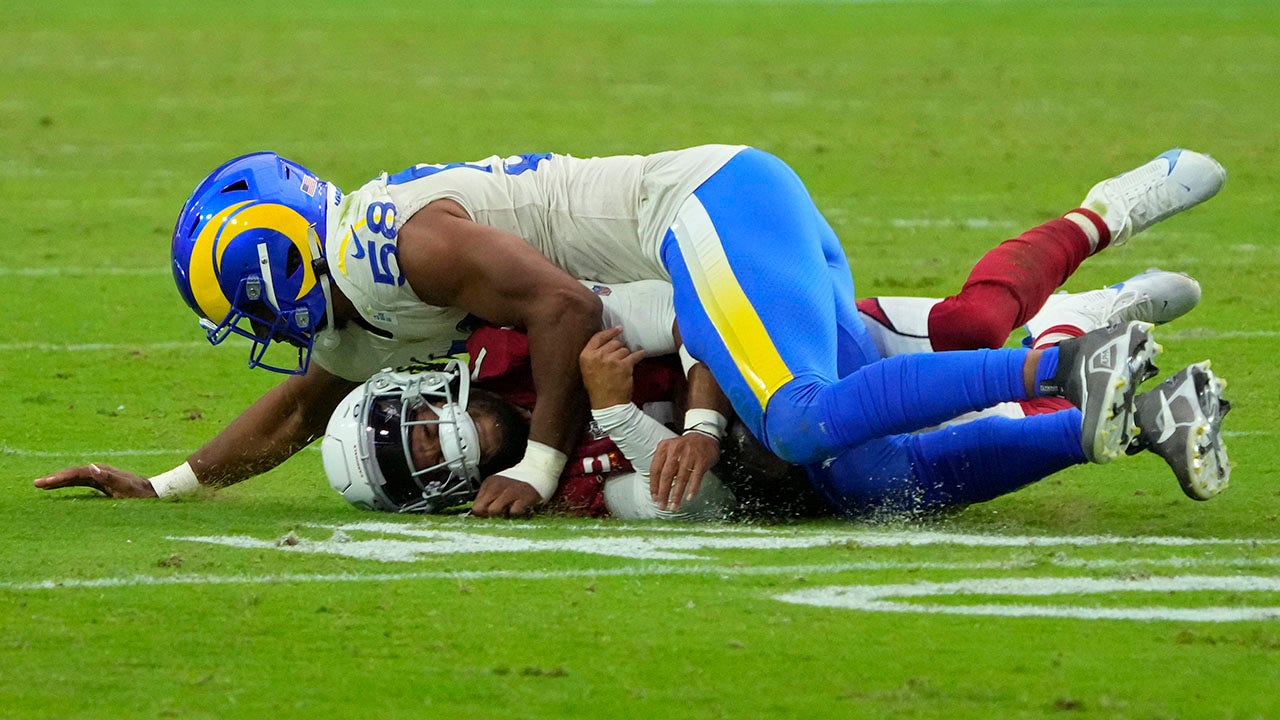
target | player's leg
[
  {"x": 900, "y": 325},
  {"x": 854, "y": 344},
  {"x": 1003, "y": 291},
  {"x": 1180, "y": 420},
  {"x": 951, "y": 467},
  {"x": 754, "y": 296},
  {"x": 1154, "y": 296},
  {"x": 756, "y": 300},
  {"x": 627, "y": 497},
  {"x": 1012, "y": 282}
]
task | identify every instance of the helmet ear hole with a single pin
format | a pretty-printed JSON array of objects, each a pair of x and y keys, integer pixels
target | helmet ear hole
[{"x": 292, "y": 261}]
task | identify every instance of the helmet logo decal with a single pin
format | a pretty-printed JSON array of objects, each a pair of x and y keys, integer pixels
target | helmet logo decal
[
  {"x": 214, "y": 238},
  {"x": 204, "y": 277}
]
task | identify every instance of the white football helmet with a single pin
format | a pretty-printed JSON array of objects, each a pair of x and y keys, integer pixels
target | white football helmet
[{"x": 367, "y": 450}]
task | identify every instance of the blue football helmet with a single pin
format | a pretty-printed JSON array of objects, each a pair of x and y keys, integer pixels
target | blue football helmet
[{"x": 248, "y": 255}]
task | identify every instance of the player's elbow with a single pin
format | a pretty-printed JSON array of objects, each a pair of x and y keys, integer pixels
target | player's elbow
[{"x": 575, "y": 310}]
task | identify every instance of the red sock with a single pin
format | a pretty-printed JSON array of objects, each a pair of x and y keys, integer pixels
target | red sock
[
  {"x": 1010, "y": 284},
  {"x": 1044, "y": 405}
]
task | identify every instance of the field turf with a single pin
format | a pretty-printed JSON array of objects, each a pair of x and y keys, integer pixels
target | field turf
[{"x": 927, "y": 132}]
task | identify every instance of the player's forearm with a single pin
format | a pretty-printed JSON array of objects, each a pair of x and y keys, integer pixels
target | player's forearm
[
  {"x": 558, "y": 328},
  {"x": 280, "y": 423},
  {"x": 556, "y": 336},
  {"x": 637, "y": 435},
  {"x": 705, "y": 393},
  {"x": 248, "y": 447}
]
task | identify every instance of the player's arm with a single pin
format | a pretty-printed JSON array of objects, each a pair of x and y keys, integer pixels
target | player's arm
[
  {"x": 284, "y": 420},
  {"x": 675, "y": 465},
  {"x": 680, "y": 462},
  {"x": 449, "y": 260}
]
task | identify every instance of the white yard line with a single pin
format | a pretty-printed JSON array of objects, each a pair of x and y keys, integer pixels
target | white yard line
[
  {"x": 635, "y": 571},
  {"x": 123, "y": 452},
  {"x": 78, "y": 271},
  {"x": 656, "y": 550},
  {"x": 98, "y": 347},
  {"x": 646, "y": 570},
  {"x": 395, "y": 543},
  {"x": 881, "y": 598}
]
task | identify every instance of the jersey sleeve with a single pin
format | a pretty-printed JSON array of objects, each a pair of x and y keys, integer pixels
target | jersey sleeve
[{"x": 645, "y": 310}]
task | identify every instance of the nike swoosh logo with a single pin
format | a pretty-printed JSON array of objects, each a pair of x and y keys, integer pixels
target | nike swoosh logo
[{"x": 1166, "y": 422}]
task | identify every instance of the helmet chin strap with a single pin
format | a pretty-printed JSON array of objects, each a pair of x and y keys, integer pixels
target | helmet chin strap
[{"x": 328, "y": 337}]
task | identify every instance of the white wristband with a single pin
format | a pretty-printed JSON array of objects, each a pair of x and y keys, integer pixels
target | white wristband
[
  {"x": 705, "y": 420},
  {"x": 540, "y": 467},
  {"x": 178, "y": 481}
]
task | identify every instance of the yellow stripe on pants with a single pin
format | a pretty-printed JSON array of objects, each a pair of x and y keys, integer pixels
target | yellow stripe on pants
[{"x": 726, "y": 304}]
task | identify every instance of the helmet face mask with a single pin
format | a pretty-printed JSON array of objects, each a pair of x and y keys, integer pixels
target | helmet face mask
[
  {"x": 374, "y": 448},
  {"x": 248, "y": 255},
  {"x": 252, "y": 317}
]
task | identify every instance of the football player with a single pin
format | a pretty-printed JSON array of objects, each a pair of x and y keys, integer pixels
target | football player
[
  {"x": 763, "y": 296},
  {"x": 379, "y": 460}
]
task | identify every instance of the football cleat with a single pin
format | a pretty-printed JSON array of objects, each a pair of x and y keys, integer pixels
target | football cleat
[
  {"x": 1155, "y": 296},
  {"x": 1134, "y": 201},
  {"x": 1099, "y": 373},
  {"x": 1181, "y": 421}
]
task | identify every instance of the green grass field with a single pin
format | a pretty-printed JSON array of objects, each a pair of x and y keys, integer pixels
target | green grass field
[{"x": 927, "y": 131}]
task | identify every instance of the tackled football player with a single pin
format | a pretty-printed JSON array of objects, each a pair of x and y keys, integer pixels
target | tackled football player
[
  {"x": 267, "y": 250},
  {"x": 418, "y": 439}
]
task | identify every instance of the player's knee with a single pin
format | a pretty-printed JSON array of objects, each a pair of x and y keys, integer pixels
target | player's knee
[
  {"x": 798, "y": 440},
  {"x": 797, "y": 428},
  {"x": 627, "y": 497},
  {"x": 967, "y": 326}
]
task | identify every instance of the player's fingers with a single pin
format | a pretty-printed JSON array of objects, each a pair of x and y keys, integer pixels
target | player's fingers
[
  {"x": 82, "y": 476},
  {"x": 663, "y": 492},
  {"x": 601, "y": 338},
  {"x": 520, "y": 507},
  {"x": 678, "y": 482},
  {"x": 615, "y": 351},
  {"x": 695, "y": 482},
  {"x": 688, "y": 479},
  {"x": 659, "y": 469},
  {"x": 484, "y": 500}
]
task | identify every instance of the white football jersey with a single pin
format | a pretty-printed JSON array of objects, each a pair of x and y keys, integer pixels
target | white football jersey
[{"x": 600, "y": 219}]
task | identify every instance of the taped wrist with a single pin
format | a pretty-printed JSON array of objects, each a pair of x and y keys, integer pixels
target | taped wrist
[
  {"x": 705, "y": 421},
  {"x": 540, "y": 467},
  {"x": 178, "y": 481}
]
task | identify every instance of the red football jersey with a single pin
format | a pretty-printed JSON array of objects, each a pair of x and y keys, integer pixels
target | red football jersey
[{"x": 502, "y": 356}]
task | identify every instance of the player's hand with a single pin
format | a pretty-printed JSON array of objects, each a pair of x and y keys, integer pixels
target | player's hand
[
  {"x": 103, "y": 478},
  {"x": 678, "y": 466},
  {"x": 607, "y": 366},
  {"x": 504, "y": 497}
]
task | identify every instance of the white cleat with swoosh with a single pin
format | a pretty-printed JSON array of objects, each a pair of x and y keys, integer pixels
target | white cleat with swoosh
[{"x": 1134, "y": 201}]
